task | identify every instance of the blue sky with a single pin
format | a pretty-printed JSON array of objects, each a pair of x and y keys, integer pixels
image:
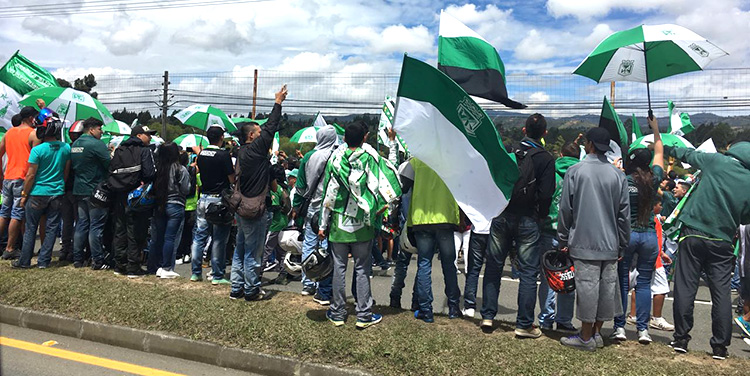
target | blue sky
[{"x": 362, "y": 37}]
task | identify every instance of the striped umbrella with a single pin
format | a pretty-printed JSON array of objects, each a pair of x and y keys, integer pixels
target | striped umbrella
[
  {"x": 201, "y": 116},
  {"x": 191, "y": 140},
  {"x": 648, "y": 53},
  {"x": 117, "y": 140},
  {"x": 248, "y": 120},
  {"x": 70, "y": 104},
  {"x": 307, "y": 134},
  {"x": 117, "y": 127}
]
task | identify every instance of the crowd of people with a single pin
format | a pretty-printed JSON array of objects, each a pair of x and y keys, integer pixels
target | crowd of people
[{"x": 305, "y": 218}]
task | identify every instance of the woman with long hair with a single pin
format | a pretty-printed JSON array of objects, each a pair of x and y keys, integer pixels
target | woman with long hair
[
  {"x": 171, "y": 186},
  {"x": 644, "y": 173}
]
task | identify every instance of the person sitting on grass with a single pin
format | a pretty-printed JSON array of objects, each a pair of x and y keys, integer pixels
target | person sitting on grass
[{"x": 357, "y": 187}]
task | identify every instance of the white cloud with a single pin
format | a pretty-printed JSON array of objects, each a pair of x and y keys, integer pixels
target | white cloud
[
  {"x": 539, "y": 96},
  {"x": 534, "y": 47},
  {"x": 496, "y": 25},
  {"x": 228, "y": 36},
  {"x": 589, "y": 9},
  {"x": 59, "y": 29},
  {"x": 129, "y": 37},
  {"x": 395, "y": 38},
  {"x": 600, "y": 32}
]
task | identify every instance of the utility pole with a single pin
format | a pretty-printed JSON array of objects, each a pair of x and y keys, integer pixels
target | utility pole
[
  {"x": 612, "y": 93},
  {"x": 164, "y": 105},
  {"x": 255, "y": 92}
]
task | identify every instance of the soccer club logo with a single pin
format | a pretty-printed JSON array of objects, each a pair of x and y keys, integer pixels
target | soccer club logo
[
  {"x": 626, "y": 68},
  {"x": 470, "y": 115},
  {"x": 699, "y": 50}
]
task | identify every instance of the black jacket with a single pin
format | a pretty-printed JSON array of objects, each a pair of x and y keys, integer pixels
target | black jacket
[
  {"x": 127, "y": 181},
  {"x": 544, "y": 168},
  {"x": 255, "y": 167}
]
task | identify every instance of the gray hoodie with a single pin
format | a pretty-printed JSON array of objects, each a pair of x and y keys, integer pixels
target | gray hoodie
[
  {"x": 315, "y": 166},
  {"x": 594, "y": 217}
]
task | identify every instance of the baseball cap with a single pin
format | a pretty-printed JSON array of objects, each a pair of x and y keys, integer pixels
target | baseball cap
[
  {"x": 641, "y": 158},
  {"x": 140, "y": 129},
  {"x": 28, "y": 111},
  {"x": 600, "y": 138},
  {"x": 294, "y": 173}
]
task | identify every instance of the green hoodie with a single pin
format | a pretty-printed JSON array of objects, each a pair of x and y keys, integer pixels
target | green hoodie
[
  {"x": 561, "y": 167},
  {"x": 720, "y": 203}
]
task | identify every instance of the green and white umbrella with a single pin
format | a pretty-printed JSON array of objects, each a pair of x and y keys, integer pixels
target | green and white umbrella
[
  {"x": 648, "y": 53},
  {"x": 228, "y": 136},
  {"x": 117, "y": 127},
  {"x": 666, "y": 138},
  {"x": 191, "y": 140},
  {"x": 248, "y": 120},
  {"x": 201, "y": 116},
  {"x": 307, "y": 134},
  {"x": 70, "y": 104}
]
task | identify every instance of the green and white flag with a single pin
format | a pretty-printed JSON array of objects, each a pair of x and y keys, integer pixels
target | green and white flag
[
  {"x": 472, "y": 62},
  {"x": 19, "y": 76},
  {"x": 386, "y": 123},
  {"x": 449, "y": 132},
  {"x": 636, "y": 134},
  {"x": 679, "y": 122}
]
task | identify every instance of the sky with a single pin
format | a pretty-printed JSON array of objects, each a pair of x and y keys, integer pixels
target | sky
[{"x": 358, "y": 37}]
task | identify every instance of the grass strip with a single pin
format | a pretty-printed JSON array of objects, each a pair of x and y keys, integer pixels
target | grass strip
[{"x": 291, "y": 325}]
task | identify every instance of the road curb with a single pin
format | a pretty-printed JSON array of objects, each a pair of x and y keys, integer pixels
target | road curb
[{"x": 167, "y": 344}]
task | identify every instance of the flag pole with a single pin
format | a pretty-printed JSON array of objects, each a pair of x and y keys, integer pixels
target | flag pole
[{"x": 648, "y": 89}]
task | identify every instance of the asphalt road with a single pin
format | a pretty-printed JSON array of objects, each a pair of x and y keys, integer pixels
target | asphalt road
[{"x": 107, "y": 360}]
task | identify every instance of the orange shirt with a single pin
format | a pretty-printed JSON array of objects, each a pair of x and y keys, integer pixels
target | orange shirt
[
  {"x": 660, "y": 239},
  {"x": 17, "y": 149}
]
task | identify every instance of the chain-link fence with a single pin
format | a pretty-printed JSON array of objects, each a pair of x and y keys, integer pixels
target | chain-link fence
[{"x": 723, "y": 92}]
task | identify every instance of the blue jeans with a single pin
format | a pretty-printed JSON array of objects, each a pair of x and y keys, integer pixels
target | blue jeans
[
  {"x": 168, "y": 229},
  {"x": 90, "y": 226},
  {"x": 735, "y": 282},
  {"x": 219, "y": 236},
  {"x": 247, "y": 255},
  {"x": 36, "y": 207},
  {"x": 548, "y": 299},
  {"x": 324, "y": 287},
  {"x": 645, "y": 246},
  {"x": 429, "y": 242},
  {"x": 477, "y": 250},
  {"x": 403, "y": 259},
  {"x": 504, "y": 230}
]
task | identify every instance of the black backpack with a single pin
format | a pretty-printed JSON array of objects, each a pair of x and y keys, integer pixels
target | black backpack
[
  {"x": 125, "y": 169},
  {"x": 524, "y": 192}
]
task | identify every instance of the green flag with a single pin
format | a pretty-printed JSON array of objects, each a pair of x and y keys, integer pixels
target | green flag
[
  {"x": 386, "y": 123},
  {"x": 449, "y": 132},
  {"x": 636, "y": 129},
  {"x": 679, "y": 122},
  {"x": 617, "y": 133},
  {"x": 17, "y": 77}
]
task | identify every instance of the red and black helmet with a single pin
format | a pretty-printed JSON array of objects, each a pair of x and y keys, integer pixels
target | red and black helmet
[{"x": 559, "y": 271}]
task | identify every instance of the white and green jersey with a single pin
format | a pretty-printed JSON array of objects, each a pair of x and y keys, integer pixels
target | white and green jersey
[{"x": 357, "y": 184}]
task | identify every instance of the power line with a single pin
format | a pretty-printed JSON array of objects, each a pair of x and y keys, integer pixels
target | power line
[{"x": 60, "y": 9}]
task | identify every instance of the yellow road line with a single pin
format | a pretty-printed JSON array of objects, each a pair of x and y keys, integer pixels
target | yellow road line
[{"x": 83, "y": 358}]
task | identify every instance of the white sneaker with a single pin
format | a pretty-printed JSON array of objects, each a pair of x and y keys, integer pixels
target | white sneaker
[
  {"x": 168, "y": 274},
  {"x": 661, "y": 324},
  {"x": 643, "y": 337},
  {"x": 178, "y": 261},
  {"x": 632, "y": 320},
  {"x": 186, "y": 259},
  {"x": 159, "y": 272},
  {"x": 469, "y": 312},
  {"x": 619, "y": 334},
  {"x": 599, "y": 341}
]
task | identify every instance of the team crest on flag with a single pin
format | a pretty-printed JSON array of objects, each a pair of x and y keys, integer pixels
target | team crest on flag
[{"x": 467, "y": 112}]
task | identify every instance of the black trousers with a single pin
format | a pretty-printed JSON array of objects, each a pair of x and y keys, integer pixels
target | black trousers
[
  {"x": 68, "y": 214},
  {"x": 698, "y": 252},
  {"x": 186, "y": 241},
  {"x": 131, "y": 232}
]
